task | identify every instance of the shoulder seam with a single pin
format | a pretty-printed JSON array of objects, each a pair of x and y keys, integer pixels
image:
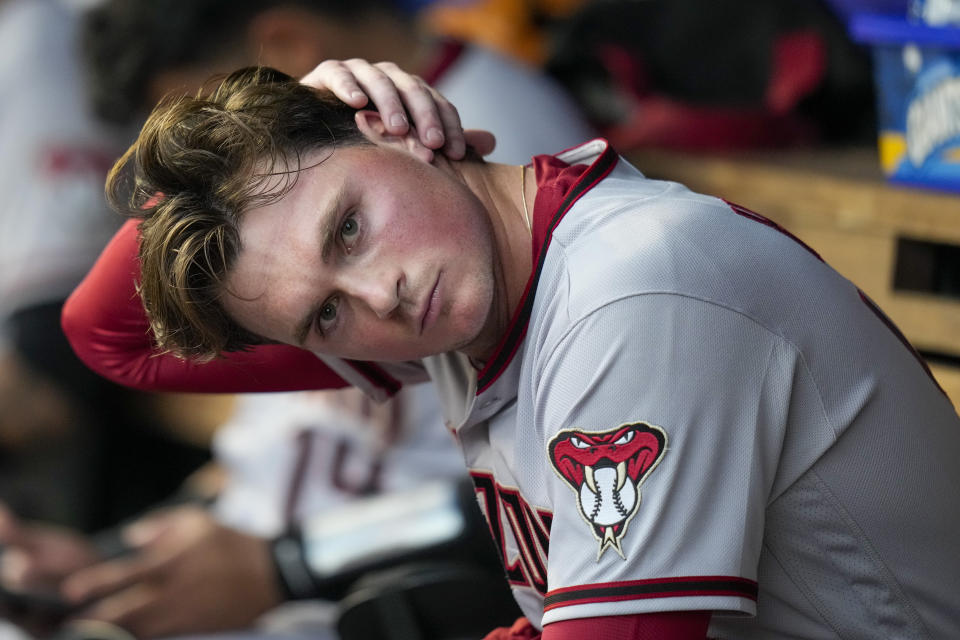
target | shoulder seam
[{"x": 574, "y": 323}]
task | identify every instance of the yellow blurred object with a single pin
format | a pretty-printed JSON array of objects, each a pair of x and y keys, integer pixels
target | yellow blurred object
[
  {"x": 893, "y": 149},
  {"x": 193, "y": 417},
  {"x": 511, "y": 27}
]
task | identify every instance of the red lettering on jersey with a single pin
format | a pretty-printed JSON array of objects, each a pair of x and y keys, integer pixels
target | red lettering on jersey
[{"x": 529, "y": 528}]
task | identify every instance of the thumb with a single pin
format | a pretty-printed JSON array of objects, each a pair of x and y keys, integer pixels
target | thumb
[
  {"x": 145, "y": 531},
  {"x": 15, "y": 568},
  {"x": 483, "y": 142}
]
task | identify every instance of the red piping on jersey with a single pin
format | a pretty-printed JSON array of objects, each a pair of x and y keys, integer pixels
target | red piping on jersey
[
  {"x": 895, "y": 330},
  {"x": 756, "y": 217},
  {"x": 543, "y": 227},
  {"x": 448, "y": 52},
  {"x": 646, "y": 589}
]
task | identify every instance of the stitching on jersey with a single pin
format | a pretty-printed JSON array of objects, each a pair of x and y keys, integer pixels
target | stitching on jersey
[
  {"x": 865, "y": 541},
  {"x": 575, "y": 324},
  {"x": 862, "y": 542}
]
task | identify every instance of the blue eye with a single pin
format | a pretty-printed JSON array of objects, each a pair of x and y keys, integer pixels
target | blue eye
[{"x": 327, "y": 315}]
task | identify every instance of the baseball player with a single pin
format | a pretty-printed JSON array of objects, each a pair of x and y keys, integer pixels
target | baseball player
[{"x": 678, "y": 419}]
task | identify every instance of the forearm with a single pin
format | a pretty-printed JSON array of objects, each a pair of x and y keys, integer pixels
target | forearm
[
  {"x": 666, "y": 625},
  {"x": 108, "y": 329}
]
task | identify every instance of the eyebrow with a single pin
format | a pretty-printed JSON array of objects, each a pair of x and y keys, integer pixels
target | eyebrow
[
  {"x": 328, "y": 236},
  {"x": 303, "y": 327},
  {"x": 328, "y": 224}
]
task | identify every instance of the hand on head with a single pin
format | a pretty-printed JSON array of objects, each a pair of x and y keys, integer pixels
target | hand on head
[{"x": 399, "y": 97}]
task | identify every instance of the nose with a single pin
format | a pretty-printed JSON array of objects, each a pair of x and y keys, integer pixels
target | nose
[{"x": 377, "y": 290}]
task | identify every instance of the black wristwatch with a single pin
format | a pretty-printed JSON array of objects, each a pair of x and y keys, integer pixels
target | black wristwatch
[{"x": 293, "y": 572}]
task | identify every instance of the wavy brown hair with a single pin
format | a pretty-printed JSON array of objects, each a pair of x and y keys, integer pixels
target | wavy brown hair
[{"x": 197, "y": 166}]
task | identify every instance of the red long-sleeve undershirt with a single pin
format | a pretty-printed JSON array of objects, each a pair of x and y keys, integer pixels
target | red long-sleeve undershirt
[
  {"x": 667, "y": 625},
  {"x": 108, "y": 329}
]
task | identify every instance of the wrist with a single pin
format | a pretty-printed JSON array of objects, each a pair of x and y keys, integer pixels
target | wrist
[{"x": 290, "y": 564}]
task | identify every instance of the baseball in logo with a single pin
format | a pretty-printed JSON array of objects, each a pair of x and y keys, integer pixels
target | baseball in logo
[{"x": 605, "y": 470}]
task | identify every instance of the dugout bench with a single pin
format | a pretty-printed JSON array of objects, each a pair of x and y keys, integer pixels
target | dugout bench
[{"x": 900, "y": 244}]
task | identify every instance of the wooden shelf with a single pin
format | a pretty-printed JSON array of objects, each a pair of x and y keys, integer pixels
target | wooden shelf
[{"x": 838, "y": 202}]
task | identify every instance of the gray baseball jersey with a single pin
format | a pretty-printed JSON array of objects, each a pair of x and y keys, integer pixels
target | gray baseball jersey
[{"x": 692, "y": 411}]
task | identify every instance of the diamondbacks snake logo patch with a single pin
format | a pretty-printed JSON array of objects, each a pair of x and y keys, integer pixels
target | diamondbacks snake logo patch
[{"x": 605, "y": 470}]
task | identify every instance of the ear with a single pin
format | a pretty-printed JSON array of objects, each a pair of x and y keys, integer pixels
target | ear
[{"x": 371, "y": 125}]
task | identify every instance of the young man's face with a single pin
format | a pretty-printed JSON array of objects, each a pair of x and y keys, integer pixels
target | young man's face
[{"x": 373, "y": 255}]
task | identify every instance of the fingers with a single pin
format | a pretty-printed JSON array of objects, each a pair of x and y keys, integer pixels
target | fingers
[
  {"x": 395, "y": 93},
  {"x": 354, "y": 81},
  {"x": 16, "y": 569},
  {"x": 433, "y": 116},
  {"x": 335, "y": 76},
  {"x": 150, "y": 528},
  {"x": 160, "y": 540},
  {"x": 105, "y": 578},
  {"x": 455, "y": 145},
  {"x": 133, "y": 609},
  {"x": 483, "y": 142}
]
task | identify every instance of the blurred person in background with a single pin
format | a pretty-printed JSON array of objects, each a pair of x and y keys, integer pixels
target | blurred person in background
[
  {"x": 763, "y": 73},
  {"x": 143, "y": 55},
  {"x": 74, "y": 449},
  {"x": 288, "y": 456}
]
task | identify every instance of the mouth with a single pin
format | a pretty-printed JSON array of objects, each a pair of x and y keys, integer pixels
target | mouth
[{"x": 431, "y": 306}]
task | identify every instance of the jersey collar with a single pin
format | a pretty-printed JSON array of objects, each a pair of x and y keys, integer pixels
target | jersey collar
[{"x": 561, "y": 181}]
